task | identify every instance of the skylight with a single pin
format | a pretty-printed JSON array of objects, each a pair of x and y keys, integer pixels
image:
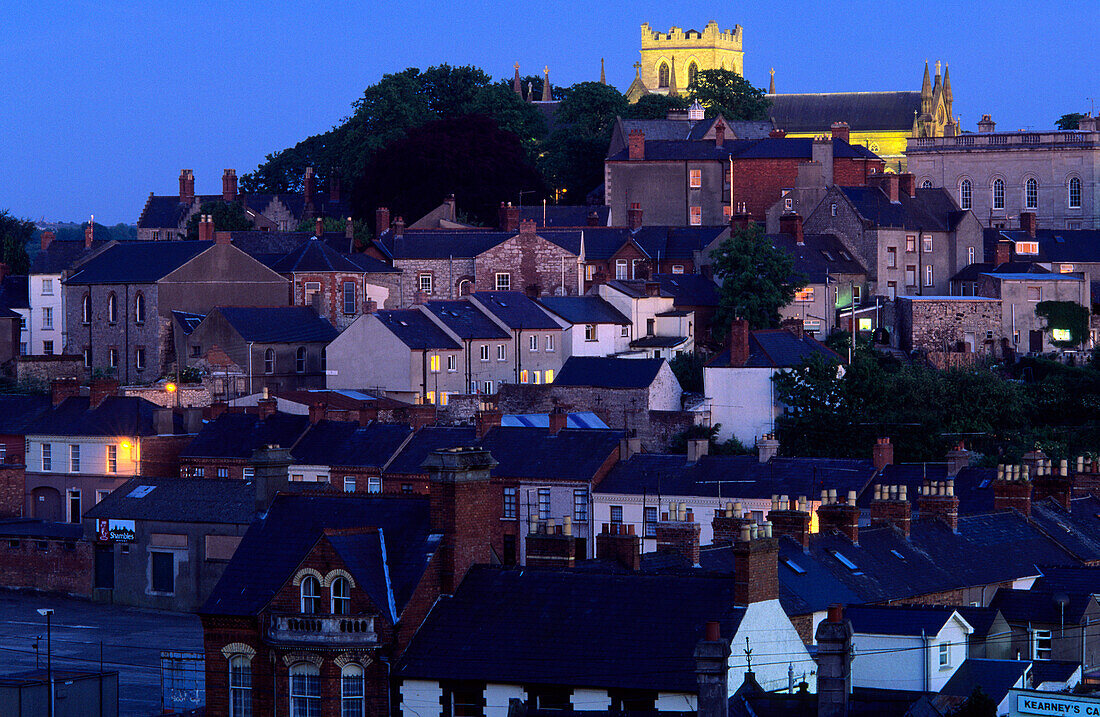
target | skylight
[
  {"x": 897, "y": 555},
  {"x": 141, "y": 491},
  {"x": 793, "y": 566},
  {"x": 845, "y": 562}
]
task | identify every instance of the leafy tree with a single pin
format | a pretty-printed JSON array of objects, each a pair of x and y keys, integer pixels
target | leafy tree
[
  {"x": 1069, "y": 121},
  {"x": 1066, "y": 315},
  {"x": 654, "y": 106},
  {"x": 732, "y": 447},
  {"x": 573, "y": 154},
  {"x": 726, "y": 93},
  {"x": 758, "y": 279},
  {"x": 14, "y": 234},
  {"x": 228, "y": 217},
  {"x": 329, "y": 224},
  {"x": 688, "y": 368},
  {"x": 978, "y": 704}
]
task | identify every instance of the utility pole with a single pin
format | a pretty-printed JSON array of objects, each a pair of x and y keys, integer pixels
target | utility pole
[{"x": 48, "y": 612}]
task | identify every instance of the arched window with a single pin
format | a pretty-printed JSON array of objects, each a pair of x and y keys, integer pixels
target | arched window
[
  {"x": 966, "y": 194},
  {"x": 998, "y": 193},
  {"x": 351, "y": 691},
  {"x": 139, "y": 308},
  {"x": 300, "y": 359},
  {"x": 305, "y": 690},
  {"x": 693, "y": 72},
  {"x": 112, "y": 308},
  {"x": 341, "y": 597},
  {"x": 86, "y": 309},
  {"x": 1031, "y": 193},
  {"x": 240, "y": 686},
  {"x": 311, "y": 596},
  {"x": 926, "y": 184},
  {"x": 1074, "y": 193},
  {"x": 662, "y": 75},
  {"x": 269, "y": 361}
]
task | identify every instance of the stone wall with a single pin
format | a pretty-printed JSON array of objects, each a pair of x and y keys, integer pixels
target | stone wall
[
  {"x": 44, "y": 369},
  {"x": 533, "y": 264},
  {"x": 942, "y": 324},
  {"x": 185, "y": 396}
]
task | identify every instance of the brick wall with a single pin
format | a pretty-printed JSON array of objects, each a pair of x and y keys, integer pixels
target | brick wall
[
  {"x": 160, "y": 455},
  {"x": 12, "y": 489},
  {"x": 62, "y": 566}
]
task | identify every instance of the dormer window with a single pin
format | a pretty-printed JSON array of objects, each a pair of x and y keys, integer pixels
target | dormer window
[{"x": 1027, "y": 247}]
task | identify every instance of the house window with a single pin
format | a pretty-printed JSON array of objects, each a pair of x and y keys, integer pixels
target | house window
[
  {"x": 485, "y": 352},
  {"x": 47, "y": 287},
  {"x": 536, "y": 377},
  {"x": 139, "y": 308},
  {"x": 892, "y": 257},
  {"x": 349, "y": 297},
  {"x": 351, "y": 691},
  {"x": 164, "y": 572},
  {"x": 424, "y": 281},
  {"x": 487, "y": 387},
  {"x": 139, "y": 358},
  {"x": 945, "y": 655},
  {"x": 523, "y": 376},
  {"x": 86, "y": 309},
  {"x": 580, "y": 505},
  {"x": 196, "y": 350},
  {"x": 696, "y": 216},
  {"x": 549, "y": 375},
  {"x": 928, "y": 275},
  {"x": 47, "y": 457},
  {"x": 544, "y": 503},
  {"x": 1027, "y": 247},
  {"x": 910, "y": 242},
  {"x": 650, "y": 520},
  {"x": 249, "y": 473},
  {"x": 1074, "y": 193},
  {"x": 693, "y": 72},
  {"x": 47, "y": 348},
  {"x": 998, "y": 193},
  {"x": 374, "y": 484},
  {"x": 1031, "y": 193},
  {"x": 300, "y": 359},
  {"x": 341, "y": 597},
  {"x": 677, "y": 268},
  {"x": 617, "y": 515},
  {"x": 965, "y": 194},
  {"x": 311, "y": 595},
  {"x": 663, "y": 76},
  {"x": 549, "y": 342},
  {"x": 832, "y": 209},
  {"x": 112, "y": 357},
  {"x": 533, "y": 342},
  {"x": 503, "y": 281},
  {"x": 74, "y": 505},
  {"x": 430, "y": 397},
  {"x": 305, "y": 690},
  {"x": 509, "y": 502},
  {"x": 112, "y": 308},
  {"x": 910, "y": 275},
  {"x": 47, "y": 318},
  {"x": 1034, "y": 293},
  {"x": 624, "y": 332},
  {"x": 349, "y": 484},
  {"x": 87, "y": 356},
  {"x": 926, "y": 184},
  {"x": 589, "y": 332},
  {"x": 788, "y": 204},
  {"x": 857, "y": 295},
  {"x": 452, "y": 362},
  {"x": 1044, "y": 645},
  {"x": 927, "y": 243},
  {"x": 695, "y": 178},
  {"x": 433, "y": 363},
  {"x": 198, "y": 472},
  {"x": 806, "y": 294},
  {"x": 74, "y": 458},
  {"x": 620, "y": 269},
  {"x": 240, "y": 686},
  {"x": 269, "y": 361},
  {"x": 112, "y": 459},
  {"x": 1065, "y": 268},
  {"x": 502, "y": 352},
  {"x": 969, "y": 255},
  {"x": 23, "y": 352},
  {"x": 650, "y": 326},
  {"x": 589, "y": 271},
  {"x": 311, "y": 288}
]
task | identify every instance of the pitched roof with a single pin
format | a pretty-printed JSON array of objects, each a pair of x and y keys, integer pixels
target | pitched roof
[
  {"x": 114, "y": 416},
  {"x": 818, "y": 256},
  {"x": 17, "y": 412},
  {"x": 863, "y": 111},
  {"x": 1055, "y": 245},
  {"x": 1082, "y": 579},
  {"x": 927, "y": 210},
  {"x": 137, "y": 262},
  {"x": 14, "y": 292},
  {"x": 515, "y": 309},
  {"x": 277, "y": 541},
  {"x": 62, "y": 255},
  {"x": 1077, "y": 530},
  {"x": 534, "y": 453},
  {"x": 238, "y": 435},
  {"x": 466, "y": 319},
  {"x": 278, "y": 324},
  {"x": 1039, "y": 606},
  {"x": 184, "y": 500},
  {"x": 495, "y": 628},
  {"x": 268, "y": 247},
  {"x": 314, "y": 255},
  {"x": 371, "y": 265},
  {"x": 609, "y": 372},
  {"x": 975, "y": 271},
  {"x": 777, "y": 348},
  {"x": 995, "y": 677},
  {"x": 689, "y": 289},
  {"x": 187, "y": 321},
  {"x": 973, "y": 484},
  {"x": 415, "y": 330},
  {"x": 910, "y": 620},
  {"x": 584, "y": 310},
  {"x": 169, "y": 211},
  {"x": 346, "y": 443},
  {"x": 427, "y": 439}
]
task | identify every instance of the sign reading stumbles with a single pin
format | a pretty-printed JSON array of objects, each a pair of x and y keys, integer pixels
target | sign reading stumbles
[{"x": 116, "y": 530}]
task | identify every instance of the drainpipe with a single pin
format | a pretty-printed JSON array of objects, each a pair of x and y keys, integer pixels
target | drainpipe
[
  {"x": 249, "y": 367},
  {"x": 927, "y": 656}
]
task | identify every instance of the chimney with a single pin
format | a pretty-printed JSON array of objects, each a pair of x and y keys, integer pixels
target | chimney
[
  {"x": 550, "y": 546},
  {"x": 1028, "y": 223},
  {"x": 206, "y": 227},
  {"x": 270, "y": 466},
  {"x": 888, "y": 183},
  {"x": 882, "y": 453},
  {"x": 486, "y": 419},
  {"x": 841, "y": 517},
  {"x": 937, "y": 500},
  {"x": 593, "y": 219},
  {"x": 740, "y": 219},
  {"x": 986, "y": 125},
  {"x": 726, "y": 524},
  {"x": 508, "y": 219},
  {"x": 628, "y": 447},
  {"x": 822, "y": 152},
  {"x": 767, "y": 447},
  {"x": 558, "y": 420},
  {"x": 792, "y": 519},
  {"x": 187, "y": 186},
  {"x": 317, "y": 411},
  {"x": 527, "y": 228},
  {"x": 791, "y": 223},
  {"x": 697, "y": 448},
  {"x": 1004, "y": 252},
  {"x": 957, "y": 459},
  {"x": 100, "y": 389},
  {"x": 369, "y": 305},
  {"x": 795, "y": 326},
  {"x": 1053, "y": 481},
  {"x": 47, "y": 238},
  {"x": 678, "y": 534},
  {"x": 62, "y": 388},
  {"x": 458, "y": 487},
  {"x": 349, "y": 228},
  {"x": 89, "y": 233},
  {"x": 719, "y": 135},
  {"x": 334, "y": 187},
  {"x": 755, "y": 565},
  {"x": 381, "y": 221},
  {"x": 163, "y": 422},
  {"x": 634, "y": 216},
  {"x": 907, "y": 184},
  {"x": 834, "y": 664},
  {"x": 308, "y": 186},
  {"x": 1012, "y": 489},
  {"x": 319, "y": 227},
  {"x": 449, "y": 204},
  {"x": 419, "y": 298},
  {"x": 217, "y": 408},
  {"x": 840, "y": 131},
  {"x": 223, "y": 237},
  {"x": 192, "y": 419},
  {"x": 229, "y": 185},
  {"x": 891, "y": 507},
  {"x": 266, "y": 406},
  {"x": 619, "y": 543},
  {"x": 1088, "y": 123},
  {"x": 739, "y": 342},
  {"x": 399, "y": 226},
  {"x": 636, "y": 140},
  {"x": 421, "y": 415},
  {"x": 777, "y": 133},
  {"x": 712, "y": 656}
]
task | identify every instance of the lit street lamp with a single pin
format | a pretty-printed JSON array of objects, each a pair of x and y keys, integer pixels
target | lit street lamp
[{"x": 48, "y": 612}]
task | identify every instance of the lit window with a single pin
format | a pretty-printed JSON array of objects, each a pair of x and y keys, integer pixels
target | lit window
[
  {"x": 269, "y": 361},
  {"x": 341, "y": 597},
  {"x": 806, "y": 294},
  {"x": 549, "y": 375},
  {"x": 677, "y": 268},
  {"x": 305, "y": 690},
  {"x": 425, "y": 283},
  {"x": 864, "y": 324},
  {"x": 430, "y": 398},
  {"x": 433, "y": 363},
  {"x": 452, "y": 362},
  {"x": 998, "y": 193},
  {"x": 504, "y": 281},
  {"x": 1027, "y": 247},
  {"x": 726, "y": 211},
  {"x": 1031, "y": 193},
  {"x": 240, "y": 686},
  {"x": 222, "y": 472},
  {"x": 966, "y": 194},
  {"x": 352, "y": 698},
  {"x": 1060, "y": 334},
  {"x": 112, "y": 459},
  {"x": 536, "y": 376},
  {"x": 589, "y": 332},
  {"x": 523, "y": 376},
  {"x": 1034, "y": 293},
  {"x": 695, "y": 178},
  {"x": 696, "y": 216},
  {"x": 1074, "y": 193},
  {"x": 1065, "y": 268},
  {"x": 311, "y": 596}
]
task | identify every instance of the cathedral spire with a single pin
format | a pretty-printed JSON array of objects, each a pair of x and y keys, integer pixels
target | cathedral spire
[
  {"x": 672, "y": 80},
  {"x": 546, "y": 96},
  {"x": 947, "y": 96},
  {"x": 926, "y": 92},
  {"x": 517, "y": 84},
  {"x": 603, "y": 77},
  {"x": 936, "y": 86},
  {"x": 771, "y": 82}
]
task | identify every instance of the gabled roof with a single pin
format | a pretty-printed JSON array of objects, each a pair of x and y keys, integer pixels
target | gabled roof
[
  {"x": 314, "y": 256},
  {"x": 187, "y": 321},
  {"x": 184, "y": 500},
  {"x": 426, "y": 440},
  {"x": 863, "y": 111},
  {"x": 14, "y": 292},
  {"x": 466, "y": 320},
  {"x": 674, "y": 242},
  {"x": 819, "y": 255},
  {"x": 1040, "y": 606},
  {"x": 17, "y": 412},
  {"x": 114, "y": 416},
  {"x": 169, "y": 211},
  {"x": 1076, "y": 530},
  {"x": 415, "y": 330},
  {"x": 1055, "y": 245},
  {"x": 995, "y": 677},
  {"x": 277, "y": 541},
  {"x": 609, "y": 372},
  {"x": 238, "y": 435},
  {"x": 777, "y": 348},
  {"x": 62, "y": 255},
  {"x": 1078, "y": 579},
  {"x": 689, "y": 289},
  {"x": 534, "y": 453},
  {"x": 346, "y": 443},
  {"x": 495, "y": 628},
  {"x": 908, "y": 620},
  {"x": 137, "y": 262},
  {"x": 927, "y": 210},
  {"x": 515, "y": 309},
  {"x": 584, "y": 310},
  {"x": 278, "y": 324}
]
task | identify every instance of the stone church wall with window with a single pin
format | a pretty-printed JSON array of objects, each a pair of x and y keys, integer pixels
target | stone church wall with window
[{"x": 126, "y": 340}]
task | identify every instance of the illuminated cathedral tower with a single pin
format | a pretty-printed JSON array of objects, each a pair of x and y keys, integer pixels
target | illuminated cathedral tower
[{"x": 669, "y": 61}]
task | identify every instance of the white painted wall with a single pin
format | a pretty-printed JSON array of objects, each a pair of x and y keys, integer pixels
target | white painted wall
[
  {"x": 897, "y": 662},
  {"x": 742, "y": 400},
  {"x": 584, "y": 700},
  {"x": 93, "y": 454},
  {"x": 35, "y": 334},
  {"x": 775, "y": 644},
  {"x": 497, "y": 697},
  {"x": 421, "y": 698},
  {"x": 675, "y": 702},
  {"x": 609, "y": 340}
]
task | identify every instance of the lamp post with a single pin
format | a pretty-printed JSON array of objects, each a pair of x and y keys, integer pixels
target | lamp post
[{"x": 48, "y": 612}]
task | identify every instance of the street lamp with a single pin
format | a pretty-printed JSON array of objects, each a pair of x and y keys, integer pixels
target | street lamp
[{"x": 48, "y": 612}]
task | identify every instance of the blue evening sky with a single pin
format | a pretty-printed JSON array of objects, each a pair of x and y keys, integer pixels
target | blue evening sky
[{"x": 103, "y": 101}]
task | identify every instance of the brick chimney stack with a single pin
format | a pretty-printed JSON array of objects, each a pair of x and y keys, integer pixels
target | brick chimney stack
[
  {"x": 794, "y": 325},
  {"x": 487, "y": 418},
  {"x": 841, "y": 517},
  {"x": 907, "y": 184},
  {"x": 551, "y": 546},
  {"x": 740, "y": 218},
  {"x": 840, "y": 131},
  {"x": 636, "y": 142},
  {"x": 308, "y": 185},
  {"x": 458, "y": 487},
  {"x": 678, "y": 533},
  {"x": 317, "y": 411},
  {"x": 187, "y": 186},
  {"x": 697, "y": 448},
  {"x": 229, "y": 185},
  {"x": 334, "y": 187},
  {"x": 719, "y": 134},
  {"x": 100, "y": 389},
  {"x": 957, "y": 459},
  {"x": 1028, "y": 223},
  {"x": 937, "y": 500},
  {"x": 89, "y": 233},
  {"x": 593, "y": 218},
  {"x": 1012, "y": 489},
  {"x": 63, "y": 388},
  {"x": 558, "y": 420},
  {"x": 381, "y": 221},
  {"x": 619, "y": 543},
  {"x": 399, "y": 226},
  {"x": 726, "y": 524},
  {"x": 1004, "y": 252},
  {"x": 882, "y": 453},
  {"x": 755, "y": 565},
  {"x": 634, "y": 216},
  {"x": 791, "y": 223},
  {"x": 527, "y": 228},
  {"x": 791, "y": 518},
  {"x": 508, "y": 218},
  {"x": 47, "y": 238},
  {"x": 270, "y": 467},
  {"x": 319, "y": 227},
  {"x": 891, "y": 507},
  {"x": 1052, "y": 480},
  {"x": 206, "y": 227},
  {"x": 888, "y": 183},
  {"x": 834, "y": 664},
  {"x": 267, "y": 405},
  {"x": 712, "y": 656},
  {"x": 739, "y": 342}
]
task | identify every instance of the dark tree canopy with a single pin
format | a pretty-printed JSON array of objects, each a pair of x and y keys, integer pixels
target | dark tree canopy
[
  {"x": 1069, "y": 121},
  {"x": 14, "y": 234},
  {"x": 654, "y": 106},
  {"x": 573, "y": 154},
  {"x": 757, "y": 280},
  {"x": 228, "y": 217},
  {"x": 726, "y": 93}
]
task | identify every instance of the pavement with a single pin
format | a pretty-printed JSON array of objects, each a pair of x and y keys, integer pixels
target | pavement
[{"x": 129, "y": 639}]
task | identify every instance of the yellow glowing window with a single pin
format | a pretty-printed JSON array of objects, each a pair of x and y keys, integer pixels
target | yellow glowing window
[
  {"x": 1027, "y": 247},
  {"x": 549, "y": 375},
  {"x": 1060, "y": 334},
  {"x": 696, "y": 216},
  {"x": 430, "y": 398},
  {"x": 864, "y": 324},
  {"x": 537, "y": 376},
  {"x": 696, "y": 178},
  {"x": 1065, "y": 268},
  {"x": 523, "y": 377},
  {"x": 806, "y": 294},
  {"x": 434, "y": 362},
  {"x": 443, "y": 398}
]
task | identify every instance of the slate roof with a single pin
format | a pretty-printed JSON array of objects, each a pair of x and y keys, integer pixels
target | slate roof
[
  {"x": 137, "y": 262},
  {"x": 18, "y": 412},
  {"x": 62, "y": 255},
  {"x": 186, "y": 321},
  {"x": 114, "y": 416},
  {"x": 278, "y": 324},
  {"x": 495, "y": 628},
  {"x": 1077, "y": 530},
  {"x": 863, "y": 111},
  {"x": 237, "y": 435},
  {"x": 973, "y": 484},
  {"x": 689, "y": 289},
  {"x": 277, "y": 541},
  {"x": 928, "y": 210},
  {"x": 346, "y": 443},
  {"x": 415, "y": 330},
  {"x": 1052, "y": 671},
  {"x": 169, "y": 211},
  {"x": 466, "y": 320},
  {"x": 1055, "y": 245},
  {"x": 1078, "y": 579},
  {"x": 995, "y": 677},
  {"x": 372, "y": 265},
  {"x": 14, "y": 292},
  {"x": 584, "y": 310},
  {"x": 536, "y": 454},
  {"x": 515, "y": 309},
  {"x": 819, "y": 255},
  {"x": 764, "y": 148},
  {"x": 909, "y": 620},
  {"x": 427, "y": 439},
  {"x": 268, "y": 247},
  {"x": 674, "y": 242},
  {"x": 1038, "y": 606},
  {"x": 561, "y": 215},
  {"x": 183, "y": 500},
  {"x": 777, "y": 348},
  {"x": 975, "y": 271},
  {"x": 608, "y": 372},
  {"x": 634, "y": 288},
  {"x": 314, "y": 255},
  {"x": 658, "y": 342}
]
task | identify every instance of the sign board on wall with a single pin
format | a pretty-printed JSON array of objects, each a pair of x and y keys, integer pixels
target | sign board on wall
[
  {"x": 111, "y": 529},
  {"x": 1047, "y": 703}
]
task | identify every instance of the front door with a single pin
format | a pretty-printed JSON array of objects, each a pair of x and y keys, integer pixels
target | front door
[
  {"x": 1035, "y": 342},
  {"x": 46, "y": 504}
]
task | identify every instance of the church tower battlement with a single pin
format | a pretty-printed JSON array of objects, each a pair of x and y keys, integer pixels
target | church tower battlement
[{"x": 670, "y": 60}]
